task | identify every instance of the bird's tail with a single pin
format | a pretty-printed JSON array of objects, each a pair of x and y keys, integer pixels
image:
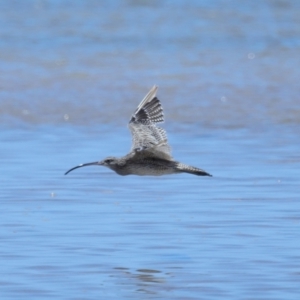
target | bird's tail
[{"x": 191, "y": 170}]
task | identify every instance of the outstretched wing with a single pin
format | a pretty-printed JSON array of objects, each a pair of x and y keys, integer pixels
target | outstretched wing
[{"x": 148, "y": 138}]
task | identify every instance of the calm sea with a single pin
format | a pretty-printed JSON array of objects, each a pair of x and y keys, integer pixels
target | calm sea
[{"x": 72, "y": 73}]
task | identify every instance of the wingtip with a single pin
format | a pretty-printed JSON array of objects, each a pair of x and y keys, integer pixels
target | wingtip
[
  {"x": 154, "y": 89},
  {"x": 151, "y": 94}
]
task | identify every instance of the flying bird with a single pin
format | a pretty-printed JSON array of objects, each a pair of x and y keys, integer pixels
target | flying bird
[{"x": 150, "y": 152}]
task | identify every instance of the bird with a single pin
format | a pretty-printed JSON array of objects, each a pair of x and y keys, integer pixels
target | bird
[{"x": 150, "y": 152}]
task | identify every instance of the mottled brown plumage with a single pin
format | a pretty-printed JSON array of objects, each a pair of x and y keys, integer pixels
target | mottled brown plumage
[{"x": 150, "y": 153}]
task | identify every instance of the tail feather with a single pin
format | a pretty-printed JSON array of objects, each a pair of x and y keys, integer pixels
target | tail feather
[{"x": 191, "y": 170}]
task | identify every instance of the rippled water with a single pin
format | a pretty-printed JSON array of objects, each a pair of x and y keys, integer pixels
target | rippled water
[{"x": 228, "y": 76}]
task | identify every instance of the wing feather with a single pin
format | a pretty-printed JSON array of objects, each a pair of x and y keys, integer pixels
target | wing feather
[{"x": 147, "y": 137}]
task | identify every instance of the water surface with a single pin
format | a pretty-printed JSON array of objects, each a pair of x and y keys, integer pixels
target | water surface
[{"x": 228, "y": 77}]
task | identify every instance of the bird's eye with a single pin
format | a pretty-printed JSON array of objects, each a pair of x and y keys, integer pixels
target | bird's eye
[{"x": 108, "y": 161}]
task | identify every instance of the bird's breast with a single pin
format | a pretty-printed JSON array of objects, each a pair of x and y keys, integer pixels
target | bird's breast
[{"x": 147, "y": 168}]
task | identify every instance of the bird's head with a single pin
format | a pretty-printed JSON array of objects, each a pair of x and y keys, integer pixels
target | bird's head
[{"x": 109, "y": 162}]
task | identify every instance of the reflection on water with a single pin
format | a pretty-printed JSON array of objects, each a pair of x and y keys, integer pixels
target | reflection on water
[
  {"x": 145, "y": 281},
  {"x": 228, "y": 78}
]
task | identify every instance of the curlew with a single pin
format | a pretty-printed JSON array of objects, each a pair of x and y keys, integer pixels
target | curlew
[{"x": 150, "y": 152}]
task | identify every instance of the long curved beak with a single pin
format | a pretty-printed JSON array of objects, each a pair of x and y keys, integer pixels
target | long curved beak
[{"x": 85, "y": 165}]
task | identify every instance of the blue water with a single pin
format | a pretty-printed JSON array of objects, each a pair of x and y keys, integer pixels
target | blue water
[{"x": 228, "y": 75}]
